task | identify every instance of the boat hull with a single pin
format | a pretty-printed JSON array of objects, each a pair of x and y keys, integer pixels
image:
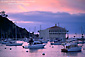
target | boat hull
[{"x": 14, "y": 44}]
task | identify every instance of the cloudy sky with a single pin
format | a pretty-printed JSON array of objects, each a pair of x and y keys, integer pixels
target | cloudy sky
[{"x": 30, "y": 14}]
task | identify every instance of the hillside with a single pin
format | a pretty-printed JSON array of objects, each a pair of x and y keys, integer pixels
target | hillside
[{"x": 9, "y": 30}]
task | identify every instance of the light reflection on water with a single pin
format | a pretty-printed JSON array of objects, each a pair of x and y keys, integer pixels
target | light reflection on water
[{"x": 49, "y": 50}]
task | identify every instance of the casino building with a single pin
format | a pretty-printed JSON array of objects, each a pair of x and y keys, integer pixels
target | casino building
[{"x": 53, "y": 33}]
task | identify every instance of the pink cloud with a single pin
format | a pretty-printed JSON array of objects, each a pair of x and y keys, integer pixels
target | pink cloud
[{"x": 71, "y": 6}]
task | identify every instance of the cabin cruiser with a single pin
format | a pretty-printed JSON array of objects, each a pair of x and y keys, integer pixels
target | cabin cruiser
[
  {"x": 35, "y": 45},
  {"x": 71, "y": 47}
]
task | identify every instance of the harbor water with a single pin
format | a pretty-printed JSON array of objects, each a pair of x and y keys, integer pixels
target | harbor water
[{"x": 47, "y": 51}]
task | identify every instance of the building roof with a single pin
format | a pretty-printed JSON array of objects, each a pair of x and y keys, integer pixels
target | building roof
[{"x": 57, "y": 28}]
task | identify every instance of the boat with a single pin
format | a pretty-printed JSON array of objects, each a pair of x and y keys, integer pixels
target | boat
[
  {"x": 13, "y": 44},
  {"x": 44, "y": 41},
  {"x": 4, "y": 42},
  {"x": 80, "y": 42},
  {"x": 25, "y": 39},
  {"x": 56, "y": 42},
  {"x": 71, "y": 47},
  {"x": 35, "y": 45}
]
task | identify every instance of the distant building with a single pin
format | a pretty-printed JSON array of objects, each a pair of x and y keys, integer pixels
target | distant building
[{"x": 53, "y": 33}]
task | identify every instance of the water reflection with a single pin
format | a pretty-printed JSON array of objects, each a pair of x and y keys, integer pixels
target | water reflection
[
  {"x": 19, "y": 51},
  {"x": 33, "y": 50},
  {"x": 71, "y": 53}
]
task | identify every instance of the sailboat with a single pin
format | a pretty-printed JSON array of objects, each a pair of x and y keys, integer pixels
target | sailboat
[
  {"x": 14, "y": 43},
  {"x": 4, "y": 41}
]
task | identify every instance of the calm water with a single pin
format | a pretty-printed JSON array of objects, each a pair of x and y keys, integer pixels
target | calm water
[{"x": 49, "y": 50}]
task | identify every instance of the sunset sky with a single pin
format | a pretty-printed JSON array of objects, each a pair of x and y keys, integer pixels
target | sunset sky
[{"x": 30, "y": 14}]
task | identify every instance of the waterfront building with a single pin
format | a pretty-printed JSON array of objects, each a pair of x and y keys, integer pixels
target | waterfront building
[{"x": 53, "y": 33}]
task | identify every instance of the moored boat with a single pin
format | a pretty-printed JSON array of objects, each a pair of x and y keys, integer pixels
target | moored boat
[
  {"x": 4, "y": 42},
  {"x": 56, "y": 42},
  {"x": 13, "y": 44},
  {"x": 35, "y": 45},
  {"x": 71, "y": 47}
]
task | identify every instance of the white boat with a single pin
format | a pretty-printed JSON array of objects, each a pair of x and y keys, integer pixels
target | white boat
[
  {"x": 71, "y": 47},
  {"x": 35, "y": 45}
]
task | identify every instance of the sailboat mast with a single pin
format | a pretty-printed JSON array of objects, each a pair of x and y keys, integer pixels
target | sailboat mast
[
  {"x": 15, "y": 31},
  {"x": 35, "y": 29},
  {"x": 1, "y": 34},
  {"x": 40, "y": 27},
  {"x": 29, "y": 32}
]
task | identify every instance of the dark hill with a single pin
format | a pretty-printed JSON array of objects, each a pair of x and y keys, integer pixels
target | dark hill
[{"x": 9, "y": 30}]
